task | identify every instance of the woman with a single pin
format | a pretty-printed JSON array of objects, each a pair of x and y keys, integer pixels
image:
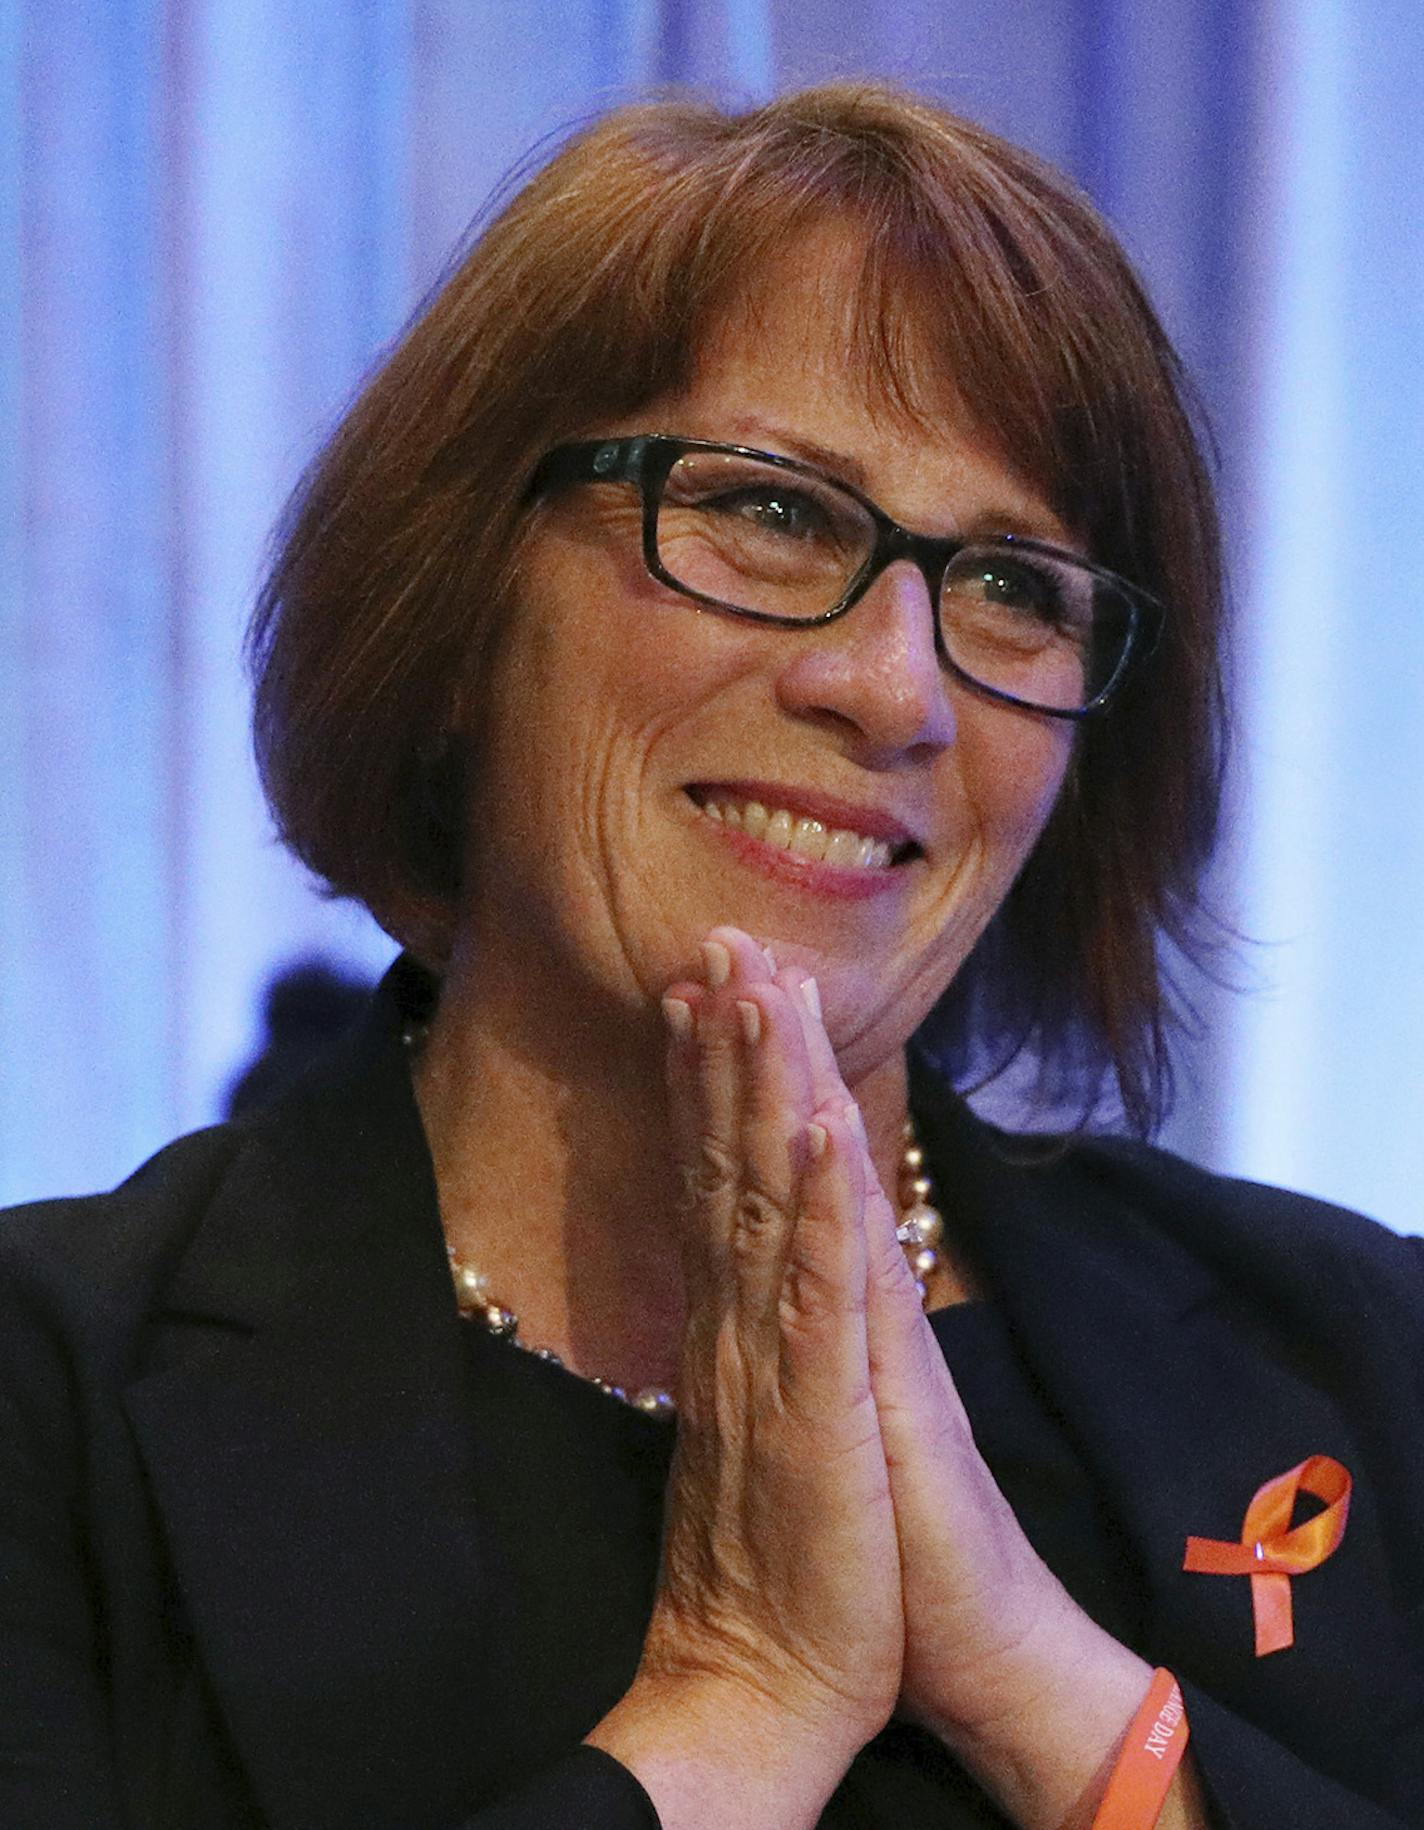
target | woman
[{"x": 754, "y": 638}]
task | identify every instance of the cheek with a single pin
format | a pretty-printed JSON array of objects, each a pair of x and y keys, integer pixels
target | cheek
[
  {"x": 586, "y": 684},
  {"x": 592, "y": 633},
  {"x": 1014, "y": 777}
]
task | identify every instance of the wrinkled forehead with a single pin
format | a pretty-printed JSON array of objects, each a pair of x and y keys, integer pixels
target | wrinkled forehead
[
  {"x": 818, "y": 302},
  {"x": 848, "y": 320}
]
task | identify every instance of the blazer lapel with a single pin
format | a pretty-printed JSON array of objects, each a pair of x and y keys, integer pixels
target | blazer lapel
[
  {"x": 306, "y": 1417},
  {"x": 307, "y": 1432},
  {"x": 1180, "y": 1409}
]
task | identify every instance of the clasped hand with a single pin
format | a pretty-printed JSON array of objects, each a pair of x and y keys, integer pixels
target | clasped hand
[{"x": 834, "y": 1541}]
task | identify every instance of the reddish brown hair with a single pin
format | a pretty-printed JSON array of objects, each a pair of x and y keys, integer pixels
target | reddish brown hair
[{"x": 587, "y": 296}]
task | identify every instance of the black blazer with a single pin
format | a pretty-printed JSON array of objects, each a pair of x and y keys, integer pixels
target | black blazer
[{"x": 240, "y": 1568}]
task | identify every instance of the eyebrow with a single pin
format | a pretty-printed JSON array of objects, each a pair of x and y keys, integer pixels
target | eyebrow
[
  {"x": 985, "y": 525},
  {"x": 795, "y": 444}
]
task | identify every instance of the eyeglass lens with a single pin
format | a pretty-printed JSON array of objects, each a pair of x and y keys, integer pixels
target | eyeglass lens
[{"x": 784, "y": 543}]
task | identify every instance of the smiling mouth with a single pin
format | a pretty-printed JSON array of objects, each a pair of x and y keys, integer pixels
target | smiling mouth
[{"x": 802, "y": 835}]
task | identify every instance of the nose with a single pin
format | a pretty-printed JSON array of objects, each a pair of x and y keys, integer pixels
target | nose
[{"x": 873, "y": 676}]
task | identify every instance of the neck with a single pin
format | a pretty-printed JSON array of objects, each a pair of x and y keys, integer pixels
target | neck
[{"x": 548, "y": 1127}]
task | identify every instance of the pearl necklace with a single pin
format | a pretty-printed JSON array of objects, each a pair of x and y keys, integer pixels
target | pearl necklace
[{"x": 920, "y": 1231}]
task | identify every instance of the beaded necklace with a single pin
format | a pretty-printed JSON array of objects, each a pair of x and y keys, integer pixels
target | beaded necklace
[{"x": 920, "y": 1232}]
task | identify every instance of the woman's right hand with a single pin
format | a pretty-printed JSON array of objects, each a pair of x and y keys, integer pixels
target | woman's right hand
[{"x": 778, "y": 1615}]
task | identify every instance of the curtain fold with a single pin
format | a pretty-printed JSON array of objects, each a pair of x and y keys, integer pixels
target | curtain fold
[
  {"x": 1325, "y": 1073},
  {"x": 215, "y": 214}
]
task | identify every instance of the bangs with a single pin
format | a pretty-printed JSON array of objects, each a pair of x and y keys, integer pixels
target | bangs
[
  {"x": 981, "y": 289},
  {"x": 986, "y": 289},
  {"x": 999, "y": 313}
]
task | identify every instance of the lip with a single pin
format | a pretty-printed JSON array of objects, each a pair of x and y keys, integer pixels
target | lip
[
  {"x": 811, "y": 804},
  {"x": 835, "y": 882},
  {"x": 792, "y": 870}
]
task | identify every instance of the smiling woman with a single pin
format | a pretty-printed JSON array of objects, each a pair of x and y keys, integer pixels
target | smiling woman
[
  {"x": 755, "y": 640},
  {"x": 955, "y": 283},
  {"x": 782, "y": 542}
]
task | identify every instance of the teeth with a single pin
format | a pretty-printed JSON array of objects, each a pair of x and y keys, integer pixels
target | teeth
[
  {"x": 806, "y": 837},
  {"x": 844, "y": 848}
]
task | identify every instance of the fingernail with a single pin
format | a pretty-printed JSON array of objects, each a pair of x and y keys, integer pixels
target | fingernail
[
  {"x": 770, "y": 959},
  {"x": 811, "y": 992},
  {"x": 816, "y": 1140},
  {"x": 856, "y": 1121},
  {"x": 749, "y": 1016},
  {"x": 678, "y": 1015},
  {"x": 716, "y": 962}
]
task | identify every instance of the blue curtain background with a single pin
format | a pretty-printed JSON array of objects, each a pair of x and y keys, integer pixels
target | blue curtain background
[{"x": 215, "y": 213}]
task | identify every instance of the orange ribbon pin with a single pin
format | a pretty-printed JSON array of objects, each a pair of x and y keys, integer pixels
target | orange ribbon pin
[{"x": 1271, "y": 1551}]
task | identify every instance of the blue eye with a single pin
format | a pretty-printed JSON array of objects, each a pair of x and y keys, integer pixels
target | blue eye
[
  {"x": 1016, "y": 586},
  {"x": 1027, "y": 586},
  {"x": 774, "y": 511},
  {"x": 759, "y": 516}
]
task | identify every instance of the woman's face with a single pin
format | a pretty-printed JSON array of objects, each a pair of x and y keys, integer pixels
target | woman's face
[{"x": 620, "y": 720}]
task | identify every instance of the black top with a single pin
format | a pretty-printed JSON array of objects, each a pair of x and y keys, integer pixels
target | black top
[
  {"x": 574, "y": 1483},
  {"x": 257, "y": 1517}
]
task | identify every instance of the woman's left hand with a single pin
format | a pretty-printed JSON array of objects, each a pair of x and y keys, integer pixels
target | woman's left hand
[{"x": 1000, "y": 1662}]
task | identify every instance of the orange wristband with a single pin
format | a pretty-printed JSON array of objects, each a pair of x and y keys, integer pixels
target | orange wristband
[{"x": 1155, "y": 1744}]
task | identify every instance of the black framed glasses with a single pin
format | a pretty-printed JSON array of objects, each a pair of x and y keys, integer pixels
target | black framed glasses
[{"x": 771, "y": 538}]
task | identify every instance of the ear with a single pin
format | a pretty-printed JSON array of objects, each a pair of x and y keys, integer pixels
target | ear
[
  {"x": 422, "y": 926},
  {"x": 438, "y": 801},
  {"x": 420, "y": 910}
]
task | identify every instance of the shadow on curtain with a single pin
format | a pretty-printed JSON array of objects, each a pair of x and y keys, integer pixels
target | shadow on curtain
[{"x": 220, "y": 213}]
